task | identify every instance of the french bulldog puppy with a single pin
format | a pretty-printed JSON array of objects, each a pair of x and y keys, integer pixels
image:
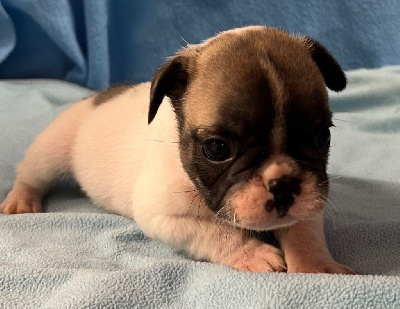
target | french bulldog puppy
[{"x": 231, "y": 136}]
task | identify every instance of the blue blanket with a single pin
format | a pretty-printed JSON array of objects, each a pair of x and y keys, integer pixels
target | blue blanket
[
  {"x": 77, "y": 256},
  {"x": 98, "y": 42}
]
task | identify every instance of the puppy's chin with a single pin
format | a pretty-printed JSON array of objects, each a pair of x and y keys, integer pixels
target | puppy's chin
[
  {"x": 266, "y": 225},
  {"x": 264, "y": 220}
]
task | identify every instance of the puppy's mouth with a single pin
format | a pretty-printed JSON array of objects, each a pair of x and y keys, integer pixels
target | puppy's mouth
[
  {"x": 260, "y": 224},
  {"x": 278, "y": 202}
]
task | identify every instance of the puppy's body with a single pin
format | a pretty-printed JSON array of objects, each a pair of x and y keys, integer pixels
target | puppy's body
[{"x": 222, "y": 156}]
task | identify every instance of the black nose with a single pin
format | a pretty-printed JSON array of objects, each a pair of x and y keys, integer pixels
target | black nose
[{"x": 283, "y": 189}]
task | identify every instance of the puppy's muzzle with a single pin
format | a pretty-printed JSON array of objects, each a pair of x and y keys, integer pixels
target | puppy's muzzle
[{"x": 283, "y": 190}]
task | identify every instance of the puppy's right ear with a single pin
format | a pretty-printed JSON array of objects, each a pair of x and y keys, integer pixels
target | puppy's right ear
[{"x": 170, "y": 80}]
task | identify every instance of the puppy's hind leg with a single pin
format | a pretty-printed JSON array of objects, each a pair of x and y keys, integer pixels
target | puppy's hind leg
[{"x": 47, "y": 158}]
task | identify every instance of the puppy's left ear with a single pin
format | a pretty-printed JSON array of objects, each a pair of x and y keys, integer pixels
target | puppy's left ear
[
  {"x": 170, "y": 80},
  {"x": 335, "y": 79}
]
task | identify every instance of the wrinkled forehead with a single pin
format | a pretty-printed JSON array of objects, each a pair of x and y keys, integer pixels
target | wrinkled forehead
[
  {"x": 250, "y": 97},
  {"x": 229, "y": 81}
]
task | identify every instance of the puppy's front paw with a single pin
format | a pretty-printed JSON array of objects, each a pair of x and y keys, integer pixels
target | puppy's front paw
[
  {"x": 328, "y": 266},
  {"x": 21, "y": 201},
  {"x": 256, "y": 256}
]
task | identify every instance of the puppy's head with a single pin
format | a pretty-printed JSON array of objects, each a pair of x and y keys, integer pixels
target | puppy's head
[{"x": 253, "y": 118}]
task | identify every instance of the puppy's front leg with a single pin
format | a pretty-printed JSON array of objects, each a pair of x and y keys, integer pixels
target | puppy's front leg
[
  {"x": 215, "y": 241},
  {"x": 305, "y": 248}
]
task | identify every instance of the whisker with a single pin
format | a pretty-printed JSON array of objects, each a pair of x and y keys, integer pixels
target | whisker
[
  {"x": 187, "y": 191},
  {"x": 218, "y": 222},
  {"x": 218, "y": 215},
  {"x": 160, "y": 141},
  {"x": 251, "y": 233},
  {"x": 337, "y": 119},
  {"x": 330, "y": 213},
  {"x": 328, "y": 180},
  {"x": 340, "y": 128},
  {"x": 323, "y": 183},
  {"x": 190, "y": 206},
  {"x": 335, "y": 177},
  {"x": 187, "y": 43},
  {"x": 242, "y": 231},
  {"x": 222, "y": 215},
  {"x": 336, "y": 201},
  {"x": 321, "y": 196},
  {"x": 328, "y": 210},
  {"x": 324, "y": 198},
  {"x": 198, "y": 209}
]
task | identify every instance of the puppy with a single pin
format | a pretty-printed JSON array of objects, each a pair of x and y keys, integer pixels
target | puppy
[{"x": 239, "y": 144}]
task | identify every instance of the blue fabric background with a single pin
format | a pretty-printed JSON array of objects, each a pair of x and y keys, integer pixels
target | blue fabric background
[{"x": 97, "y": 42}]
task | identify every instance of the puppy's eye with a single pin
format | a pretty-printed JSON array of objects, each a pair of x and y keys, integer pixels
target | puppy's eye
[
  {"x": 216, "y": 150},
  {"x": 323, "y": 138}
]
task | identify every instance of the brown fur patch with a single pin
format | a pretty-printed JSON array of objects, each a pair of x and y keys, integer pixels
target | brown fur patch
[{"x": 110, "y": 93}]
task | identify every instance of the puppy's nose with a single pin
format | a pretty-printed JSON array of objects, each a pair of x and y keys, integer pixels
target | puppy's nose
[{"x": 283, "y": 189}]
